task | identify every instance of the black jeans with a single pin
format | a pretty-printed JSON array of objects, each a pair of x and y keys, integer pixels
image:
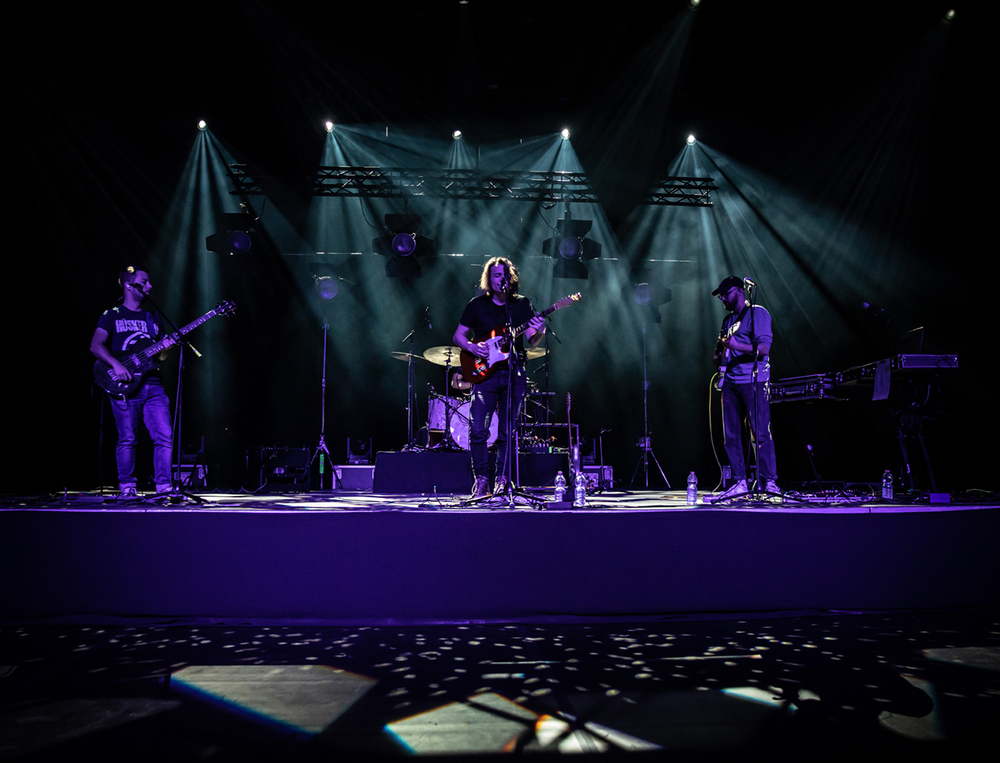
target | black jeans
[
  {"x": 487, "y": 396},
  {"x": 749, "y": 402}
]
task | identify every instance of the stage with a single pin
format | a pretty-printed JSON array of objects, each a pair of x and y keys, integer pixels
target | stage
[{"x": 359, "y": 557}]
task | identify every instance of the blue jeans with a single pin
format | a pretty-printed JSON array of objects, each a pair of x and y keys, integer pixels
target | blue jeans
[
  {"x": 487, "y": 396},
  {"x": 749, "y": 402},
  {"x": 153, "y": 406}
]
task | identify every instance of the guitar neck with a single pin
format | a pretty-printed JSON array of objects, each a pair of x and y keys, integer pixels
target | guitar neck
[{"x": 156, "y": 349}]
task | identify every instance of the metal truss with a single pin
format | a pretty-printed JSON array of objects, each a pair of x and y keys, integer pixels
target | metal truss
[
  {"x": 681, "y": 192},
  {"x": 510, "y": 185}
]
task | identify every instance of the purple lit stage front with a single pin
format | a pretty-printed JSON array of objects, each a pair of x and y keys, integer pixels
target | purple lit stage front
[{"x": 358, "y": 557}]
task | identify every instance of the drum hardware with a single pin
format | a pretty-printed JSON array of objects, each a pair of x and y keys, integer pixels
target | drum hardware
[{"x": 443, "y": 356}]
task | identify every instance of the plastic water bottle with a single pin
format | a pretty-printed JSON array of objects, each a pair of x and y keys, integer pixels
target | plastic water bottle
[
  {"x": 579, "y": 491},
  {"x": 692, "y": 495},
  {"x": 887, "y": 485},
  {"x": 560, "y": 487}
]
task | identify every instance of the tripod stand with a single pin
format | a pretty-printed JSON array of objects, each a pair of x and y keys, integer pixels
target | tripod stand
[
  {"x": 646, "y": 442},
  {"x": 321, "y": 448}
]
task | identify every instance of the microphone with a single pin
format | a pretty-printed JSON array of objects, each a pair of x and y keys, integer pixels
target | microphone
[{"x": 749, "y": 284}]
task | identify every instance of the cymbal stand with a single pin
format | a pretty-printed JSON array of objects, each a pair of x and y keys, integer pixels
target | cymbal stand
[
  {"x": 411, "y": 387},
  {"x": 447, "y": 442},
  {"x": 321, "y": 447},
  {"x": 645, "y": 443}
]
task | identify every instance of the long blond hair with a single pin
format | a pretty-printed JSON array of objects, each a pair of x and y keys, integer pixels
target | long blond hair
[{"x": 509, "y": 268}]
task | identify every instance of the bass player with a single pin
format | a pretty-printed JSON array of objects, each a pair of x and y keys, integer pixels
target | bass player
[
  {"x": 120, "y": 331},
  {"x": 498, "y": 309}
]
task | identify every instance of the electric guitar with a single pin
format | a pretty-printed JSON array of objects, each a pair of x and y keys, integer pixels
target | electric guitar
[
  {"x": 499, "y": 343},
  {"x": 142, "y": 362},
  {"x": 724, "y": 336}
]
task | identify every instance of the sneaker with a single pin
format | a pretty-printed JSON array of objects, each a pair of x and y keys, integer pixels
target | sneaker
[
  {"x": 771, "y": 487},
  {"x": 740, "y": 488},
  {"x": 481, "y": 488},
  {"x": 128, "y": 493},
  {"x": 163, "y": 489},
  {"x": 501, "y": 488}
]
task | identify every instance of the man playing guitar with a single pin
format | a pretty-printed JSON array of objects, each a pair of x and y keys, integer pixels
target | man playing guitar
[
  {"x": 497, "y": 311},
  {"x": 120, "y": 331}
]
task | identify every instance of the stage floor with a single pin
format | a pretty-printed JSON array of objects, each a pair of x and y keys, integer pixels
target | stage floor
[{"x": 847, "y": 499}]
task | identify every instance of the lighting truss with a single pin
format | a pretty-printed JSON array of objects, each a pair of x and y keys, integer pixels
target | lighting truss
[
  {"x": 389, "y": 182},
  {"x": 682, "y": 192},
  {"x": 510, "y": 185}
]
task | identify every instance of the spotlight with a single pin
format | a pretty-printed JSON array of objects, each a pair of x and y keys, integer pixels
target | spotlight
[
  {"x": 402, "y": 244},
  {"x": 237, "y": 236},
  {"x": 326, "y": 286},
  {"x": 202, "y": 125},
  {"x": 647, "y": 294},
  {"x": 571, "y": 242},
  {"x": 329, "y": 126},
  {"x": 693, "y": 4},
  {"x": 949, "y": 16},
  {"x": 691, "y": 140},
  {"x": 457, "y": 134},
  {"x": 565, "y": 133}
]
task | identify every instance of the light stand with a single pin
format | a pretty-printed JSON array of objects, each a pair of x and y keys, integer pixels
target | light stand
[
  {"x": 321, "y": 448},
  {"x": 645, "y": 443}
]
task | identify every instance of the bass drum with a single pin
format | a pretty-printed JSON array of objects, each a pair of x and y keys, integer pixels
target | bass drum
[
  {"x": 460, "y": 426},
  {"x": 437, "y": 417}
]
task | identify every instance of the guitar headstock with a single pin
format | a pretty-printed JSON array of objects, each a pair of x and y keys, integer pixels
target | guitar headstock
[
  {"x": 226, "y": 308},
  {"x": 568, "y": 300}
]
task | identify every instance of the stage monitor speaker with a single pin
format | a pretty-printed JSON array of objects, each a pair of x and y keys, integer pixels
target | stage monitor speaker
[
  {"x": 284, "y": 470},
  {"x": 423, "y": 472}
]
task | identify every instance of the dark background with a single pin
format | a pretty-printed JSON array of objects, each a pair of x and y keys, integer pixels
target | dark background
[{"x": 872, "y": 114}]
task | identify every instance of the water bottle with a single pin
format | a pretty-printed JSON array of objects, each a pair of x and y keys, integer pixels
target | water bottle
[
  {"x": 692, "y": 496},
  {"x": 560, "y": 487},
  {"x": 887, "y": 485},
  {"x": 579, "y": 491}
]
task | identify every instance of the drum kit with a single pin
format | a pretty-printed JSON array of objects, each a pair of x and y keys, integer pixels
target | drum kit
[{"x": 448, "y": 416}]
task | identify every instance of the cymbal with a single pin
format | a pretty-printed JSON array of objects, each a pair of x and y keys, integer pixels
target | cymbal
[
  {"x": 405, "y": 356},
  {"x": 441, "y": 355},
  {"x": 536, "y": 352}
]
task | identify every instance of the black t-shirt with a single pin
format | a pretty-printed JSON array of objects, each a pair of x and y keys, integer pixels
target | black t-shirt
[
  {"x": 483, "y": 316},
  {"x": 129, "y": 331}
]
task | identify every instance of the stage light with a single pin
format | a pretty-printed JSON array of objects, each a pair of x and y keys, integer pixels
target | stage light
[
  {"x": 949, "y": 16},
  {"x": 565, "y": 133},
  {"x": 202, "y": 125},
  {"x": 693, "y": 4},
  {"x": 236, "y": 236},
  {"x": 326, "y": 286},
  {"x": 329, "y": 126},
  {"x": 571, "y": 242},
  {"x": 646, "y": 292},
  {"x": 691, "y": 140},
  {"x": 457, "y": 134},
  {"x": 402, "y": 244}
]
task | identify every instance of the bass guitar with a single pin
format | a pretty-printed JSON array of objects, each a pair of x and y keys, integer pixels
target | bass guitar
[
  {"x": 142, "y": 362},
  {"x": 499, "y": 343}
]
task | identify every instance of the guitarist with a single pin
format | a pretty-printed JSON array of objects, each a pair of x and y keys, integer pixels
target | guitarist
[
  {"x": 121, "y": 331},
  {"x": 497, "y": 308},
  {"x": 744, "y": 349}
]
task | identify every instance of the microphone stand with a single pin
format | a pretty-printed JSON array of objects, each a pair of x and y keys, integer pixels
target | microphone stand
[
  {"x": 321, "y": 447},
  {"x": 176, "y": 495}
]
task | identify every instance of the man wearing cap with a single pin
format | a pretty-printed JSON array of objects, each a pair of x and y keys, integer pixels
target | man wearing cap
[{"x": 743, "y": 351}]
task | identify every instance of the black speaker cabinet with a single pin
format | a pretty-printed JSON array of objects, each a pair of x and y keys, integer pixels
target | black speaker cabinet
[{"x": 423, "y": 472}]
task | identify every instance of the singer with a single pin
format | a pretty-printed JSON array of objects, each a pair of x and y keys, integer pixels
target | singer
[
  {"x": 744, "y": 349},
  {"x": 496, "y": 311},
  {"x": 122, "y": 331}
]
